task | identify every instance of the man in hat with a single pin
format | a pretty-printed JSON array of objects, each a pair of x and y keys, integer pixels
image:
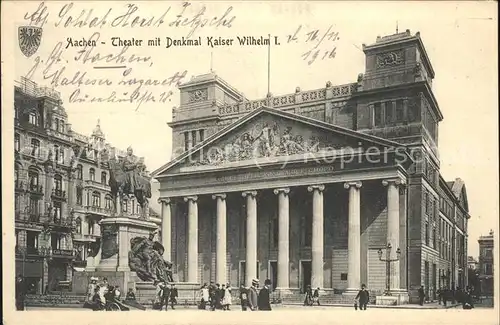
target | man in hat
[
  {"x": 264, "y": 295},
  {"x": 363, "y": 297},
  {"x": 252, "y": 295}
]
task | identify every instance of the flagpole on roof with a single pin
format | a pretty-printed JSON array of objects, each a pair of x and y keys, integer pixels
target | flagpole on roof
[{"x": 269, "y": 66}]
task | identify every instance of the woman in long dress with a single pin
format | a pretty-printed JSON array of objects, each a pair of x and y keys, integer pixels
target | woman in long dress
[{"x": 227, "y": 300}]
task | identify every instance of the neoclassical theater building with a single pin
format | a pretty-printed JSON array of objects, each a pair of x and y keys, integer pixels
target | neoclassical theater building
[{"x": 309, "y": 188}]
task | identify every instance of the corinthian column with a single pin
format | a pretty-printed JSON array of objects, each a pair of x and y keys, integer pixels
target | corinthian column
[
  {"x": 354, "y": 239},
  {"x": 251, "y": 249},
  {"x": 220, "y": 246},
  {"x": 192, "y": 238},
  {"x": 317, "y": 236},
  {"x": 166, "y": 227},
  {"x": 393, "y": 227},
  {"x": 283, "y": 235}
]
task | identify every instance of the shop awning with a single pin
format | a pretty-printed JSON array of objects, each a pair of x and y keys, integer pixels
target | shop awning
[{"x": 78, "y": 269}]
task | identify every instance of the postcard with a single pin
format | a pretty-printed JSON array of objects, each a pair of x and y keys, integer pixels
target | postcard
[{"x": 200, "y": 161}]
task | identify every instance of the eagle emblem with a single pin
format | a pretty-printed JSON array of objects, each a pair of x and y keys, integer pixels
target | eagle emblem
[{"x": 29, "y": 39}]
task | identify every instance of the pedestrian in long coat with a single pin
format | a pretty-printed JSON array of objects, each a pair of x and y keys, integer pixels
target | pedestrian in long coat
[
  {"x": 264, "y": 295},
  {"x": 363, "y": 297},
  {"x": 421, "y": 295},
  {"x": 252, "y": 295},
  {"x": 21, "y": 290}
]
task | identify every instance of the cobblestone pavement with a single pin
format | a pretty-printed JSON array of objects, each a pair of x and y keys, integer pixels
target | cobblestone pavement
[{"x": 289, "y": 315}]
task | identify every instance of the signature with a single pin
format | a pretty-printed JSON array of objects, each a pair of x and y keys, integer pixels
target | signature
[
  {"x": 56, "y": 68},
  {"x": 321, "y": 43},
  {"x": 129, "y": 16}
]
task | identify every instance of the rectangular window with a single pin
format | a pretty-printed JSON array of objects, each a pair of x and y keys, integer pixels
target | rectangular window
[
  {"x": 57, "y": 210},
  {"x": 186, "y": 141},
  {"x": 427, "y": 233},
  {"x": 17, "y": 142},
  {"x": 434, "y": 239},
  {"x": 79, "y": 195},
  {"x": 399, "y": 111},
  {"x": 31, "y": 239},
  {"x": 377, "y": 114},
  {"x": 389, "y": 112},
  {"x": 343, "y": 276},
  {"x": 55, "y": 241},
  {"x": 193, "y": 138},
  {"x": 202, "y": 135}
]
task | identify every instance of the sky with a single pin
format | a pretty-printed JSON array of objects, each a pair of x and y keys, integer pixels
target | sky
[{"x": 460, "y": 39}]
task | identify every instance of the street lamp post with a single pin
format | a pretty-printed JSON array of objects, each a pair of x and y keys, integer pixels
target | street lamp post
[{"x": 388, "y": 261}]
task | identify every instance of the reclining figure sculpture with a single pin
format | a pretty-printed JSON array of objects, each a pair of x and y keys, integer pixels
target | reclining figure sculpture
[{"x": 146, "y": 259}]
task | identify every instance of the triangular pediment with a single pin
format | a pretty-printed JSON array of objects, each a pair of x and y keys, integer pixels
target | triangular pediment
[{"x": 268, "y": 135}]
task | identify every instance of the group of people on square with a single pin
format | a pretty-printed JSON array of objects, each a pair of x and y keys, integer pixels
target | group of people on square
[
  {"x": 165, "y": 294},
  {"x": 218, "y": 297},
  {"x": 215, "y": 296},
  {"x": 100, "y": 294},
  {"x": 311, "y": 297}
]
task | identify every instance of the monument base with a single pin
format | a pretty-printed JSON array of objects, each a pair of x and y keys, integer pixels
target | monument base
[
  {"x": 145, "y": 292},
  {"x": 113, "y": 262},
  {"x": 396, "y": 297}
]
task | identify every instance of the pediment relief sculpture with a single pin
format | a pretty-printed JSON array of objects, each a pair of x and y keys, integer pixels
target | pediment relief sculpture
[{"x": 267, "y": 139}]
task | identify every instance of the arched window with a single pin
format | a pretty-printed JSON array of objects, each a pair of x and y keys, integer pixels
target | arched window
[
  {"x": 78, "y": 222},
  {"x": 96, "y": 199},
  {"x": 35, "y": 147},
  {"x": 92, "y": 174},
  {"x": 33, "y": 178},
  {"x": 108, "y": 202},
  {"x": 56, "y": 124},
  {"x": 79, "y": 172},
  {"x": 58, "y": 182},
  {"x": 103, "y": 178},
  {"x": 34, "y": 118},
  {"x": 17, "y": 142}
]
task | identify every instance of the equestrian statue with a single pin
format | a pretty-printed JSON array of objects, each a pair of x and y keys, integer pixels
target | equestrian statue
[{"x": 126, "y": 179}]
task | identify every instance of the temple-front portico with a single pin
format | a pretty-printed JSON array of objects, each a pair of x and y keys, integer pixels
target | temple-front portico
[{"x": 304, "y": 221}]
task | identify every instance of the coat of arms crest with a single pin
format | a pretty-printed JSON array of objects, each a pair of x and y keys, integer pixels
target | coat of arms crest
[{"x": 29, "y": 39}]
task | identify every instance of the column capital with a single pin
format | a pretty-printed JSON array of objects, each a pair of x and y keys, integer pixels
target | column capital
[
  {"x": 222, "y": 196},
  {"x": 192, "y": 198},
  {"x": 348, "y": 185},
  {"x": 319, "y": 187},
  {"x": 165, "y": 200},
  {"x": 394, "y": 181},
  {"x": 249, "y": 193},
  {"x": 285, "y": 190}
]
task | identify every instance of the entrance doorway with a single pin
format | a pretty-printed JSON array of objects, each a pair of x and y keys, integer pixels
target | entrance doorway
[
  {"x": 305, "y": 277},
  {"x": 273, "y": 274}
]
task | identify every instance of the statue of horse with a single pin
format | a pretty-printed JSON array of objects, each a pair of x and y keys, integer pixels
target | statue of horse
[{"x": 120, "y": 187}]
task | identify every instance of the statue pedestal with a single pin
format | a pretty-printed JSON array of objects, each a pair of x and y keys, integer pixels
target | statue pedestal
[
  {"x": 113, "y": 263},
  {"x": 116, "y": 234}
]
